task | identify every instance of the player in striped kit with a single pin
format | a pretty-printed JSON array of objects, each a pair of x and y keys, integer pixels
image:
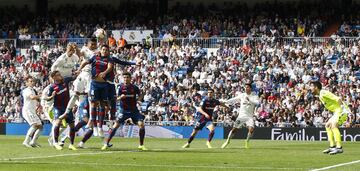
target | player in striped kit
[
  {"x": 248, "y": 101},
  {"x": 101, "y": 71},
  {"x": 128, "y": 95},
  {"x": 112, "y": 89},
  {"x": 204, "y": 117},
  {"x": 30, "y": 103},
  {"x": 47, "y": 107},
  {"x": 59, "y": 91}
]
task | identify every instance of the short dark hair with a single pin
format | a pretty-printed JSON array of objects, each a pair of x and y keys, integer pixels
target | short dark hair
[
  {"x": 248, "y": 84},
  {"x": 104, "y": 45},
  {"x": 317, "y": 84},
  {"x": 92, "y": 39},
  {"x": 210, "y": 89},
  {"x": 126, "y": 73},
  {"x": 28, "y": 78},
  {"x": 52, "y": 74}
]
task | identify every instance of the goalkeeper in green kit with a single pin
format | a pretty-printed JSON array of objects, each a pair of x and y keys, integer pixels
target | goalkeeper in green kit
[{"x": 340, "y": 111}]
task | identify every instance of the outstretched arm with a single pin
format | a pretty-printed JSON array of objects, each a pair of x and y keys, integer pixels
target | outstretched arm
[
  {"x": 121, "y": 62},
  {"x": 234, "y": 100}
]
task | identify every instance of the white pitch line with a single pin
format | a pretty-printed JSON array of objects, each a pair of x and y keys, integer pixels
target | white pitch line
[
  {"x": 60, "y": 155},
  {"x": 154, "y": 165},
  {"x": 338, "y": 165}
]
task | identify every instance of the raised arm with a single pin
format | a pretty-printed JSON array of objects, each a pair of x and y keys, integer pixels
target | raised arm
[
  {"x": 234, "y": 100},
  {"x": 83, "y": 64},
  {"x": 254, "y": 100},
  {"x": 121, "y": 62}
]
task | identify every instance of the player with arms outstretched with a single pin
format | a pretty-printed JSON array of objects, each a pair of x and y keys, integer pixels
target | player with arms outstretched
[{"x": 248, "y": 102}]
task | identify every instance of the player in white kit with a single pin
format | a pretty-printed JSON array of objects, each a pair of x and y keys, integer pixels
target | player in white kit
[
  {"x": 47, "y": 105},
  {"x": 47, "y": 108},
  {"x": 248, "y": 101},
  {"x": 30, "y": 104},
  {"x": 66, "y": 62},
  {"x": 81, "y": 89}
]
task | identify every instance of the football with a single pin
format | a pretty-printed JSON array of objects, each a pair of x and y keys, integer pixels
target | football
[{"x": 100, "y": 33}]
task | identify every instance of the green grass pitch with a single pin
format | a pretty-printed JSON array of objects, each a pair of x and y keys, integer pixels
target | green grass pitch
[{"x": 167, "y": 154}]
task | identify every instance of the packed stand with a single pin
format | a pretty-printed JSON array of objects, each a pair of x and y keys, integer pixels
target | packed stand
[{"x": 174, "y": 78}]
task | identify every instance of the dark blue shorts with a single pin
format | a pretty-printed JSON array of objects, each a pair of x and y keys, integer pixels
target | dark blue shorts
[
  {"x": 111, "y": 92},
  {"x": 98, "y": 91},
  {"x": 201, "y": 122},
  {"x": 134, "y": 115},
  {"x": 69, "y": 117}
]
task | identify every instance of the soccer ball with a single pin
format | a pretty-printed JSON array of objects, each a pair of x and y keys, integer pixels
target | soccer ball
[{"x": 100, "y": 33}]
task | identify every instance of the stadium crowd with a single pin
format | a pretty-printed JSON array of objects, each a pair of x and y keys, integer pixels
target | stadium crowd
[{"x": 174, "y": 76}]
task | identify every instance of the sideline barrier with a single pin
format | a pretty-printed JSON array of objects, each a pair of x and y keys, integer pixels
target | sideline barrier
[
  {"x": 2, "y": 128},
  {"x": 127, "y": 131},
  {"x": 295, "y": 134},
  {"x": 21, "y": 129},
  {"x": 288, "y": 134}
]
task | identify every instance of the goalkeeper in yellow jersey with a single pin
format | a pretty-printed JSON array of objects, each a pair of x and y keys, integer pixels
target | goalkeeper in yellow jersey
[{"x": 340, "y": 111}]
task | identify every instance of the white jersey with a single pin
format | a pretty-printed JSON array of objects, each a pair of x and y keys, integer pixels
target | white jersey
[
  {"x": 65, "y": 64},
  {"x": 247, "y": 107},
  {"x": 44, "y": 103},
  {"x": 29, "y": 106},
  {"x": 87, "y": 55}
]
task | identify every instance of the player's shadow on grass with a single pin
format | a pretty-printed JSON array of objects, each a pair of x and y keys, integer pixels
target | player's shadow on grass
[
  {"x": 257, "y": 148},
  {"x": 94, "y": 149}
]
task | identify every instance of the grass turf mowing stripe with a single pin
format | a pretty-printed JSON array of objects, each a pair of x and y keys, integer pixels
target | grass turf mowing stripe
[{"x": 154, "y": 165}]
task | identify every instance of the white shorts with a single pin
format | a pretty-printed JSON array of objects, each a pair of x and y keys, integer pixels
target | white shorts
[
  {"x": 31, "y": 118},
  {"x": 48, "y": 112},
  {"x": 82, "y": 82},
  {"x": 247, "y": 121}
]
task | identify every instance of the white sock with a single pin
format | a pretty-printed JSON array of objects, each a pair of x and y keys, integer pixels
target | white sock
[
  {"x": 71, "y": 103},
  {"x": 61, "y": 132},
  {"x": 100, "y": 132},
  {"x": 231, "y": 135},
  {"x": 249, "y": 135},
  {"x": 36, "y": 136},
  {"x": 64, "y": 138},
  {"x": 51, "y": 135},
  {"x": 30, "y": 131},
  {"x": 95, "y": 133}
]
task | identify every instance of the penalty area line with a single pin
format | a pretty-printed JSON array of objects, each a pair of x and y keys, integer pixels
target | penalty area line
[{"x": 337, "y": 165}]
